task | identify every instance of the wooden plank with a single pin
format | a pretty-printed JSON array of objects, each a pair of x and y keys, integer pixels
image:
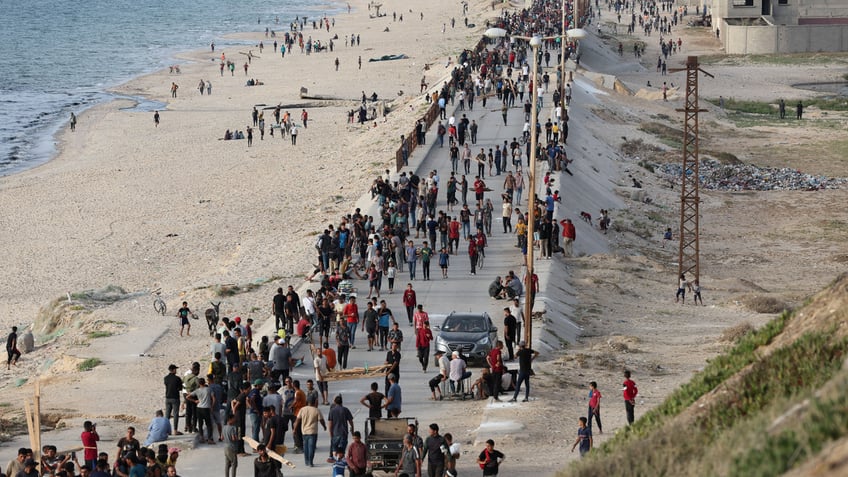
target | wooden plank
[
  {"x": 36, "y": 414},
  {"x": 30, "y": 423},
  {"x": 357, "y": 373},
  {"x": 272, "y": 454}
]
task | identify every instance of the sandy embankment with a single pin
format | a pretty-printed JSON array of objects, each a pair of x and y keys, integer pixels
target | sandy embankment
[{"x": 132, "y": 205}]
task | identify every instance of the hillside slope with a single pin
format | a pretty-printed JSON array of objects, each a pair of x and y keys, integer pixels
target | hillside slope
[{"x": 776, "y": 402}]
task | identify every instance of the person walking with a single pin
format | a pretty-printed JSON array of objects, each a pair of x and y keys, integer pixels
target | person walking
[
  {"x": 410, "y": 459},
  {"x": 340, "y": 423},
  {"x": 629, "y": 391},
  {"x": 264, "y": 465},
  {"x": 525, "y": 356},
  {"x": 594, "y": 406},
  {"x": 342, "y": 343},
  {"x": 12, "y": 352},
  {"x": 73, "y": 122},
  {"x": 584, "y": 438},
  {"x": 231, "y": 439},
  {"x": 472, "y": 254},
  {"x": 435, "y": 449},
  {"x": 423, "y": 337},
  {"x": 308, "y": 419},
  {"x": 490, "y": 459},
  {"x": 409, "y": 301}
]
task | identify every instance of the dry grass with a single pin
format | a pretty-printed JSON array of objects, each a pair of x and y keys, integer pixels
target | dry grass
[
  {"x": 764, "y": 304},
  {"x": 736, "y": 332}
]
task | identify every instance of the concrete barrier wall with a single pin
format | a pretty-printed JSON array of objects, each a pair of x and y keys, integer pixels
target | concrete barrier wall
[{"x": 784, "y": 39}]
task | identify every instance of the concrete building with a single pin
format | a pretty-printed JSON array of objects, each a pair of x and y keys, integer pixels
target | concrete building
[{"x": 780, "y": 26}]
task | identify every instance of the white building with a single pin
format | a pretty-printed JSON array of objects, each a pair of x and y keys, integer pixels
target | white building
[{"x": 780, "y": 26}]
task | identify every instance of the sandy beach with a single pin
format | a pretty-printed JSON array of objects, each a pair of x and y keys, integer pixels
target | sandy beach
[
  {"x": 129, "y": 204},
  {"x": 174, "y": 207}
]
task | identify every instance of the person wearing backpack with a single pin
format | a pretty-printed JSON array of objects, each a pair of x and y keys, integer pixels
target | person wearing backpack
[{"x": 490, "y": 459}]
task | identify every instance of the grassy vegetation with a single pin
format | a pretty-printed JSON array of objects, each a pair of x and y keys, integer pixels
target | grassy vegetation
[
  {"x": 89, "y": 364},
  {"x": 99, "y": 334},
  {"x": 744, "y": 428},
  {"x": 807, "y": 363},
  {"x": 825, "y": 421},
  {"x": 716, "y": 372},
  {"x": 771, "y": 108}
]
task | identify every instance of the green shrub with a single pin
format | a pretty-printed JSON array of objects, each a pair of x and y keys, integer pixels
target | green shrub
[{"x": 89, "y": 364}]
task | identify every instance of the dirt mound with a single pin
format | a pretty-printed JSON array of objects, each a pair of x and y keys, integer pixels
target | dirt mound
[
  {"x": 828, "y": 310},
  {"x": 68, "y": 311}
]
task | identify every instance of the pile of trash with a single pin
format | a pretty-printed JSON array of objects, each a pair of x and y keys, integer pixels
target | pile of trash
[{"x": 717, "y": 176}]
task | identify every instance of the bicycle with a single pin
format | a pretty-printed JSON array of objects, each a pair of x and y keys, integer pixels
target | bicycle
[{"x": 159, "y": 304}]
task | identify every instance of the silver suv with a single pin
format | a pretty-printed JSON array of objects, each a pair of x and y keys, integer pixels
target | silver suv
[{"x": 472, "y": 334}]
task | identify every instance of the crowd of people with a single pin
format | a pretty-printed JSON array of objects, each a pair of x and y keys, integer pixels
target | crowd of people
[{"x": 248, "y": 390}]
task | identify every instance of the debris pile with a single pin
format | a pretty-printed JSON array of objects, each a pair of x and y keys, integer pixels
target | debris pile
[{"x": 735, "y": 177}]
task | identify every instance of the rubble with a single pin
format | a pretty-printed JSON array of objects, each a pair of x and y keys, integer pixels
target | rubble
[{"x": 737, "y": 177}]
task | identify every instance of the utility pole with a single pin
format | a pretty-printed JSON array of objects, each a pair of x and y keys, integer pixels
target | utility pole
[{"x": 690, "y": 244}]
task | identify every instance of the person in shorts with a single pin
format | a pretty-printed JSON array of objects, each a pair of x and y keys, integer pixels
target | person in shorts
[
  {"x": 369, "y": 325},
  {"x": 183, "y": 314}
]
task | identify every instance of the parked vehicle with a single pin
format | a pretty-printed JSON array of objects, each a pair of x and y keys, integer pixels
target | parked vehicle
[
  {"x": 472, "y": 334},
  {"x": 384, "y": 443}
]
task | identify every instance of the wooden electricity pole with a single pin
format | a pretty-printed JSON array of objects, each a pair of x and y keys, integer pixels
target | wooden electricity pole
[{"x": 690, "y": 245}]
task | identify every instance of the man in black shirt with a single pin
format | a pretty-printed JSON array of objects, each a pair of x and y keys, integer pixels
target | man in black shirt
[
  {"x": 509, "y": 331},
  {"x": 278, "y": 308},
  {"x": 525, "y": 367},
  {"x": 393, "y": 360},
  {"x": 173, "y": 386}
]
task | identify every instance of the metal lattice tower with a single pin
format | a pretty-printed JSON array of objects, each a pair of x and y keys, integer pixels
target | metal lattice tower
[{"x": 690, "y": 245}]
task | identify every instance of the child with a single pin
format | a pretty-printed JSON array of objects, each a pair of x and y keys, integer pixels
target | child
[
  {"x": 667, "y": 236},
  {"x": 390, "y": 274},
  {"x": 444, "y": 261},
  {"x": 696, "y": 290},
  {"x": 183, "y": 314},
  {"x": 339, "y": 465}
]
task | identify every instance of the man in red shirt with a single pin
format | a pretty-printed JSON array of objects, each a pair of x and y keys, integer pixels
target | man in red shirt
[
  {"x": 453, "y": 235},
  {"x": 495, "y": 361},
  {"x": 630, "y": 391},
  {"x": 568, "y": 236},
  {"x": 479, "y": 189},
  {"x": 420, "y": 317},
  {"x": 351, "y": 314},
  {"x": 356, "y": 457},
  {"x": 409, "y": 301}
]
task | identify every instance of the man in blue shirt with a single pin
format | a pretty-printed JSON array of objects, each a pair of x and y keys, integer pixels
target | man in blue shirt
[
  {"x": 584, "y": 438},
  {"x": 394, "y": 399},
  {"x": 159, "y": 429}
]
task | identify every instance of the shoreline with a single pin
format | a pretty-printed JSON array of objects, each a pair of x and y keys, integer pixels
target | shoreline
[
  {"x": 87, "y": 155},
  {"x": 111, "y": 92}
]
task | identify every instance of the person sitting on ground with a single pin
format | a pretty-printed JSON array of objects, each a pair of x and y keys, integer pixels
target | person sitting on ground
[
  {"x": 496, "y": 289},
  {"x": 480, "y": 387},
  {"x": 514, "y": 288}
]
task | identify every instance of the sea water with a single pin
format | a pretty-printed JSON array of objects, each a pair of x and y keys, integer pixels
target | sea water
[{"x": 61, "y": 57}]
